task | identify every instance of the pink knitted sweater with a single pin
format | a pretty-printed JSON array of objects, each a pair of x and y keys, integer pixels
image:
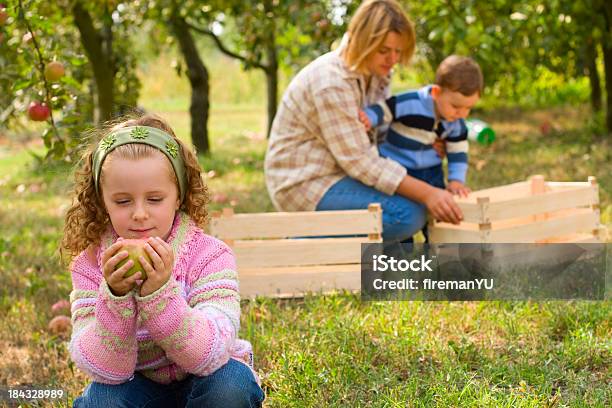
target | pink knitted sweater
[{"x": 187, "y": 326}]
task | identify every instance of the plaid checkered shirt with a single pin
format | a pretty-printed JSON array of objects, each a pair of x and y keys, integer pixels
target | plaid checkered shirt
[{"x": 317, "y": 139}]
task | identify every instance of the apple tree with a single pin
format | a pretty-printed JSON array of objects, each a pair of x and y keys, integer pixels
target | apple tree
[
  {"x": 40, "y": 75},
  {"x": 105, "y": 31},
  {"x": 515, "y": 42},
  {"x": 169, "y": 18},
  {"x": 272, "y": 34},
  {"x": 48, "y": 71},
  {"x": 268, "y": 35}
]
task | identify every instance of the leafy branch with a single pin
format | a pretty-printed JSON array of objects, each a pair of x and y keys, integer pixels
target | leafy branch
[
  {"x": 41, "y": 67},
  {"x": 223, "y": 48}
]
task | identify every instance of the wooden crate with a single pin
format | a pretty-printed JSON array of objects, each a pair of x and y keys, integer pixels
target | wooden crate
[
  {"x": 276, "y": 258},
  {"x": 531, "y": 211}
]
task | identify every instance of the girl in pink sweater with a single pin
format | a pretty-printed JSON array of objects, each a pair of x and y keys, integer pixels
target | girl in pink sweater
[{"x": 165, "y": 336}]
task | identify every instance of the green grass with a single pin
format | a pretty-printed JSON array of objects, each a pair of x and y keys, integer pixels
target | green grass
[{"x": 335, "y": 350}]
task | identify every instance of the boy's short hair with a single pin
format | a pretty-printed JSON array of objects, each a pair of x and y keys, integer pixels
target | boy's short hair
[
  {"x": 368, "y": 27},
  {"x": 460, "y": 74}
]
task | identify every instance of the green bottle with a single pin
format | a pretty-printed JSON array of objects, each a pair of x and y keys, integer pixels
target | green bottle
[{"x": 480, "y": 132}]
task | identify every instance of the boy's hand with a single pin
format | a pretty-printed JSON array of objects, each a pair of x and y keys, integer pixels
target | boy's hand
[
  {"x": 439, "y": 146},
  {"x": 162, "y": 258},
  {"x": 119, "y": 285},
  {"x": 363, "y": 118},
  {"x": 442, "y": 206},
  {"x": 458, "y": 188}
]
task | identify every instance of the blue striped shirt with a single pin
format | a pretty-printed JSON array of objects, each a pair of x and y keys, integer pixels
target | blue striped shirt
[{"x": 413, "y": 130}]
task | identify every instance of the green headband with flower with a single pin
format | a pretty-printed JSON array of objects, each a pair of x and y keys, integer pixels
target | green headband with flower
[{"x": 145, "y": 135}]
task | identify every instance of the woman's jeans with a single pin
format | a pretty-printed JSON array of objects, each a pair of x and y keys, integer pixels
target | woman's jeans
[
  {"x": 402, "y": 218},
  {"x": 232, "y": 385}
]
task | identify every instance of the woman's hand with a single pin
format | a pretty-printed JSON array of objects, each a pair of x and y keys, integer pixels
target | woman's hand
[
  {"x": 443, "y": 207},
  {"x": 118, "y": 284},
  {"x": 439, "y": 146},
  {"x": 439, "y": 202},
  {"x": 363, "y": 118},
  {"x": 162, "y": 258}
]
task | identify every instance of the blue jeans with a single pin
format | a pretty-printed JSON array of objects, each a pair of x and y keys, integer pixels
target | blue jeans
[
  {"x": 433, "y": 176},
  {"x": 402, "y": 218},
  {"x": 232, "y": 385}
]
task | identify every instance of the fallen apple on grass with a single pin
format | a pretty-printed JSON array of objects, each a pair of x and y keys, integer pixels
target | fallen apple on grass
[
  {"x": 135, "y": 249},
  {"x": 60, "y": 325},
  {"x": 61, "y": 307}
]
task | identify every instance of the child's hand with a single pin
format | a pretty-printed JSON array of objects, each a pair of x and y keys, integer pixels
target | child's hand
[
  {"x": 119, "y": 285},
  {"x": 162, "y": 258},
  {"x": 363, "y": 118},
  {"x": 439, "y": 146},
  {"x": 458, "y": 188}
]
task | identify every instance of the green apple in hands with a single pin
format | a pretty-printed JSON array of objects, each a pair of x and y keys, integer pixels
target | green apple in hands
[{"x": 135, "y": 249}]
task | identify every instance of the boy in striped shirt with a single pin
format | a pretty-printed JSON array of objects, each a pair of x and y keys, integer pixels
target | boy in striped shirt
[{"x": 418, "y": 118}]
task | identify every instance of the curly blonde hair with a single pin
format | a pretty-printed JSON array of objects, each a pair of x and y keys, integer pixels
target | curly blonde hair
[{"x": 87, "y": 218}]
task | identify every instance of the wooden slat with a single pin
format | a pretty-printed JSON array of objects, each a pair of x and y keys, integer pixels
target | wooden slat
[
  {"x": 515, "y": 222},
  {"x": 539, "y": 204},
  {"x": 579, "y": 220},
  {"x": 298, "y": 252},
  {"x": 448, "y": 233},
  {"x": 296, "y": 224},
  {"x": 502, "y": 193},
  {"x": 563, "y": 185},
  {"x": 562, "y": 222},
  {"x": 296, "y": 281},
  {"x": 471, "y": 211},
  {"x": 583, "y": 238}
]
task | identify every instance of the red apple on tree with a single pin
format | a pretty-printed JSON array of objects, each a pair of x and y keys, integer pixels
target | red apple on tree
[
  {"x": 54, "y": 71},
  {"x": 323, "y": 24},
  {"x": 135, "y": 249},
  {"x": 3, "y": 15},
  {"x": 316, "y": 16},
  {"x": 38, "y": 111}
]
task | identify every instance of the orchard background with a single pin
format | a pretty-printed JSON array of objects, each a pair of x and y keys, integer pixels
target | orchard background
[{"x": 215, "y": 70}]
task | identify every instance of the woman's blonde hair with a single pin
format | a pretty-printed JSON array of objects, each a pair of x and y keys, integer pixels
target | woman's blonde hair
[
  {"x": 368, "y": 28},
  {"x": 87, "y": 218}
]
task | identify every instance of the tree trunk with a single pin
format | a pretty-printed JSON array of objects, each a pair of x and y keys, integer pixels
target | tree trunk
[
  {"x": 606, "y": 45},
  {"x": 272, "y": 85},
  {"x": 591, "y": 56},
  {"x": 99, "y": 52},
  {"x": 272, "y": 67},
  {"x": 198, "y": 78},
  {"x": 607, "y": 53}
]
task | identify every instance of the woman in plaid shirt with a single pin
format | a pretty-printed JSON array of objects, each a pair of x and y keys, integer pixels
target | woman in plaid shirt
[{"x": 319, "y": 155}]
